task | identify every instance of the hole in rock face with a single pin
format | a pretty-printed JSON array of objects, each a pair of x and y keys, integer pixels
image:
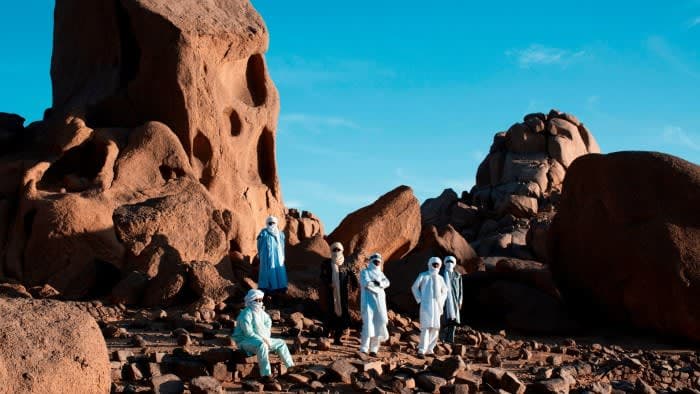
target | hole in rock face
[
  {"x": 76, "y": 170},
  {"x": 255, "y": 78},
  {"x": 168, "y": 172},
  {"x": 106, "y": 277},
  {"x": 266, "y": 158},
  {"x": 236, "y": 125},
  {"x": 29, "y": 222},
  {"x": 202, "y": 151},
  {"x": 130, "y": 52}
]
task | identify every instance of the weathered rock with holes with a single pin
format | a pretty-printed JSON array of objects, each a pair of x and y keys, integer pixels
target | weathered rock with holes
[{"x": 159, "y": 145}]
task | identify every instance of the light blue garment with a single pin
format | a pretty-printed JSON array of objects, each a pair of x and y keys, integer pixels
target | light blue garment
[
  {"x": 251, "y": 328},
  {"x": 373, "y": 306},
  {"x": 273, "y": 272}
]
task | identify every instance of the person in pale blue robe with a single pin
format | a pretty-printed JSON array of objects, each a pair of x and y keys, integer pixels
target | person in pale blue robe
[
  {"x": 252, "y": 335},
  {"x": 373, "y": 306},
  {"x": 272, "y": 277}
]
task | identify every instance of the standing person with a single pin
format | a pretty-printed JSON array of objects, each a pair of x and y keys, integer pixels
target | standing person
[
  {"x": 453, "y": 303},
  {"x": 272, "y": 276},
  {"x": 252, "y": 334},
  {"x": 336, "y": 279},
  {"x": 430, "y": 292},
  {"x": 373, "y": 306}
]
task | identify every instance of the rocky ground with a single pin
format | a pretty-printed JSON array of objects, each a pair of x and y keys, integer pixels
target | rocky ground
[{"x": 171, "y": 351}]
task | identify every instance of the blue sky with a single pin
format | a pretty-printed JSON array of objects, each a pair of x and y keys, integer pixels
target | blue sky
[{"x": 377, "y": 94}]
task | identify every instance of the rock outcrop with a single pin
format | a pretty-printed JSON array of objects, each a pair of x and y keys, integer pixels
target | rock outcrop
[
  {"x": 517, "y": 184},
  {"x": 390, "y": 226},
  {"x": 626, "y": 240},
  {"x": 48, "y": 347},
  {"x": 159, "y": 148}
]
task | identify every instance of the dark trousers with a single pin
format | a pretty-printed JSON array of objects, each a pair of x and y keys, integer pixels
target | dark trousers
[
  {"x": 447, "y": 333},
  {"x": 336, "y": 325}
]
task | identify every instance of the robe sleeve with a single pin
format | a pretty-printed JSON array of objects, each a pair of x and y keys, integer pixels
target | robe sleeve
[
  {"x": 384, "y": 282},
  {"x": 415, "y": 289},
  {"x": 460, "y": 293},
  {"x": 366, "y": 282}
]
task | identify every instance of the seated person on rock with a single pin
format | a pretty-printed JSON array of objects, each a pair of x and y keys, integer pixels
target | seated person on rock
[{"x": 252, "y": 334}]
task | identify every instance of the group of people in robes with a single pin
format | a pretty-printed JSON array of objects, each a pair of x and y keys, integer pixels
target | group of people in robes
[{"x": 437, "y": 291}]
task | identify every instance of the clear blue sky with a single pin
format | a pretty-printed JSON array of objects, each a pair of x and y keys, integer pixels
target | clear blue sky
[{"x": 377, "y": 94}]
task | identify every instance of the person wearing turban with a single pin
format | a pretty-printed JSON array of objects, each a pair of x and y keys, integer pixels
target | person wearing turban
[
  {"x": 453, "y": 302},
  {"x": 252, "y": 334},
  {"x": 430, "y": 292},
  {"x": 373, "y": 306},
  {"x": 272, "y": 276},
  {"x": 336, "y": 280}
]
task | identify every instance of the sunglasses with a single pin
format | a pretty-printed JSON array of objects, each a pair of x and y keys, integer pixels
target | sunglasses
[
  {"x": 376, "y": 262},
  {"x": 259, "y": 300},
  {"x": 337, "y": 250},
  {"x": 435, "y": 265},
  {"x": 270, "y": 223}
]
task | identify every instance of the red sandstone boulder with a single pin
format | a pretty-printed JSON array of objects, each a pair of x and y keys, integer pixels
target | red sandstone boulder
[
  {"x": 49, "y": 346},
  {"x": 391, "y": 226},
  {"x": 626, "y": 240}
]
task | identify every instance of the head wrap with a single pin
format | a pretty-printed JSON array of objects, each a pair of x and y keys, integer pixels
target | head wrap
[
  {"x": 433, "y": 270},
  {"x": 375, "y": 257},
  {"x": 251, "y": 296},
  {"x": 272, "y": 227},
  {"x": 337, "y": 257},
  {"x": 450, "y": 262}
]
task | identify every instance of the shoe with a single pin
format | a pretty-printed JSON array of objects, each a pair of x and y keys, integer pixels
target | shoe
[
  {"x": 268, "y": 380},
  {"x": 373, "y": 354},
  {"x": 420, "y": 356}
]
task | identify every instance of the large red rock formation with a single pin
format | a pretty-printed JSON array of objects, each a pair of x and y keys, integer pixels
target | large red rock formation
[
  {"x": 518, "y": 182},
  {"x": 159, "y": 147},
  {"x": 390, "y": 226},
  {"x": 626, "y": 239},
  {"x": 49, "y": 347}
]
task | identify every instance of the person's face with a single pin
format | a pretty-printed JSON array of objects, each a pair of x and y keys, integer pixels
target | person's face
[
  {"x": 271, "y": 223},
  {"x": 376, "y": 262},
  {"x": 258, "y": 301},
  {"x": 435, "y": 265},
  {"x": 337, "y": 250}
]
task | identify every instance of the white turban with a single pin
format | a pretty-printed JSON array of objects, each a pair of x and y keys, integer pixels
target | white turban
[
  {"x": 271, "y": 225},
  {"x": 251, "y": 296}
]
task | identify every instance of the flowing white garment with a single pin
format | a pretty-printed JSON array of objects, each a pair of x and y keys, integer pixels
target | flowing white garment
[
  {"x": 373, "y": 303},
  {"x": 430, "y": 292}
]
